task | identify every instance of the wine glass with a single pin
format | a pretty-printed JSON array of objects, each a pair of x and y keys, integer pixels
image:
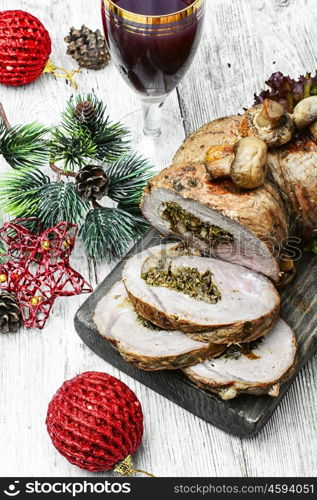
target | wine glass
[{"x": 153, "y": 43}]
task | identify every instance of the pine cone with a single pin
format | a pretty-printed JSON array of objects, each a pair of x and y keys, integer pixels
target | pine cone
[
  {"x": 88, "y": 48},
  {"x": 10, "y": 314},
  {"x": 92, "y": 183},
  {"x": 84, "y": 111}
]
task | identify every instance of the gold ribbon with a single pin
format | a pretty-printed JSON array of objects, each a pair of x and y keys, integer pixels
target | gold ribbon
[
  {"x": 61, "y": 73},
  {"x": 126, "y": 468}
]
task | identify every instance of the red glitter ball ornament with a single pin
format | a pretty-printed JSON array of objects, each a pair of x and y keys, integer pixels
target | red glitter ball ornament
[
  {"x": 25, "y": 46},
  {"x": 95, "y": 421}
]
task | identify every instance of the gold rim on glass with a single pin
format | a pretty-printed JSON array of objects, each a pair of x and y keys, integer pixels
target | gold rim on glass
[{"x": 143, "y": 19}]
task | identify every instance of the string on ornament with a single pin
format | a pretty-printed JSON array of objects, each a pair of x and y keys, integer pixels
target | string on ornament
[
  {"x": 53, "y": 70},
  {"x": 126, "y": 468}
]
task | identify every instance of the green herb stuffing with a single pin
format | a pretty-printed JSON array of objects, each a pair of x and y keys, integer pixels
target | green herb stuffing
[
  {"x": 147, "y": 324},
  {"x": 236, "y": 351},
  {"x": 180, "y": 221},
  {"x": 186, "y": 280}
]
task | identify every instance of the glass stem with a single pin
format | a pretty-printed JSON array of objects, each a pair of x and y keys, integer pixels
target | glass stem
[{"x": 152, "y": 114}]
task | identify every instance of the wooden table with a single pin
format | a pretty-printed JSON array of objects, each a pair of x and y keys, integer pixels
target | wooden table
[{"x": 244, "y": 42}]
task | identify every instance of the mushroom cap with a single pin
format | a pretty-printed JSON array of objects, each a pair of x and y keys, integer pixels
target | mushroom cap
[
  {"x": 305, "y": 112},
  {"x": 272, "y": 137},
  {"x": 271, "y": 115},
  {"x": 248, "y": 169}
]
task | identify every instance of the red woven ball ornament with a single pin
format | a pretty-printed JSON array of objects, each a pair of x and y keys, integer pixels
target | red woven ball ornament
[
  {"x": 25, "y": 46},
  {"x": 95, "y": 421}
]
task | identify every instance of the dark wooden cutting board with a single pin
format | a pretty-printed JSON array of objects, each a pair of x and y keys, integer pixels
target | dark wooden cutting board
[{"x": 245, "y": 415}]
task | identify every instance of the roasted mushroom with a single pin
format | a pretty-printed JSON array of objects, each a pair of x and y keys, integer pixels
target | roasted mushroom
[
  {"x": 248, "y": 169},
  {"x": 305, "y": 112},
  {"x": 219, "y": 159},
  {"x": 271, "y": 115},
  {"x": 269, "y": 122}
]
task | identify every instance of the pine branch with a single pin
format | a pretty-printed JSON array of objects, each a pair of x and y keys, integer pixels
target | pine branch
[
  {"x": 112, "y": 139},
  {"x": 107, "y": 232},
  {"x": 128, "y": 176},
  {"x": 72, "y": 147},
  {"x": 20, "y": 191},
  {"x": 2, "y": 252},
  {"x": 131, "y": 209},
  {"x": 60, "y": 202},
  {"x": 109, "y": 138},
  {"x": 27, "y": 192},
  {"x": 60, "y": 172},
  {"x": 24, "y": 146}
]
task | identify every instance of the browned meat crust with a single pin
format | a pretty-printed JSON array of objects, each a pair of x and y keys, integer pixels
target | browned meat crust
[
  {"x": 147, "y": 363},
  {"x": 243, "y": 331},
  {"x": 221, "y": 131}
]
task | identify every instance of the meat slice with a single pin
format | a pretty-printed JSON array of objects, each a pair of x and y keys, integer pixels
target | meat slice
[
  {"x": 241, "y": 305},
  {"x": 246, "y": 227},
  {"x": 258, "y": 368},
  {"x": 142, "y": 344}
]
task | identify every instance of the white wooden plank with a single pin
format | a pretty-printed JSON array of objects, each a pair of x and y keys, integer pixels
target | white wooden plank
[{"x": 249, "y": 35}]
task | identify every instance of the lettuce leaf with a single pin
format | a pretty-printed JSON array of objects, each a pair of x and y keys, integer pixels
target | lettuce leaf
[{"x": 287, "y": 91}]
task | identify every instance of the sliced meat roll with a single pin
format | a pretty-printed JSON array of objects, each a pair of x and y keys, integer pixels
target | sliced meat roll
[
  {"x": 259, "y": 369},
  {"x": 246, "y": 227},
  {"x": 142, "y": 344},
  {"x": 229, "y": 303},
  {"x": 293, "y": 166}
]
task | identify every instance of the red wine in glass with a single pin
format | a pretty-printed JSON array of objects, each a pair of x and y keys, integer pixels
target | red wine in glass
[
  {"x": 153, "y": 7},
  {"x": 153, "y": 43}
]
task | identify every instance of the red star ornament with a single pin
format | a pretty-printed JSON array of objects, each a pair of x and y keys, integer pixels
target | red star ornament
[{"x": 38, "y": 269}]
